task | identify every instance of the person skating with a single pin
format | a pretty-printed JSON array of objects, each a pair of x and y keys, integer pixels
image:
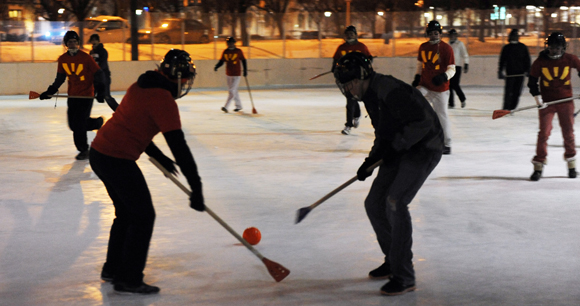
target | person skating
[
  {"x": 461, "y": 62},
  {"x": 85, "y": 78},
  {"x": 550, "y": 80},
  {"x": 435, "y": 67},
  {"x": 148, "y": 107},
  {"x": 101, "y": 56},
  {"x": 409, "y": 140},
  {"x": 351, "y": 44},
  {"x": 515, "y": 60},
  {"x": 235, "y": 60}
]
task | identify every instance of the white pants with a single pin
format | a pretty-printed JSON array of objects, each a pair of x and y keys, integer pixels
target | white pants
[
  {"x": 233, "y": 83},
  {"x": 439, "y": 101}
]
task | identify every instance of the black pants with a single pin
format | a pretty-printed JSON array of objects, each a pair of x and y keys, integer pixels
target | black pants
[
  {"x": 512, "y": 91},
  {"x": 80, "y": 121},
  {"x": 110, "y": 100},
  {"x": 454, "y": 86},
  {"x": 387, "y": 206},
  {"x": 352, "y": 111},
  {"x": 134, "y": 217}
]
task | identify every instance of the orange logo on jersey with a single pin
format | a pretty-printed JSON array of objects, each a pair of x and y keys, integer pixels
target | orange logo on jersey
[
  {"x": 548, "y": 78},
  {"x": 430, "y": 58},
  {"x": 344, "y": 52},
  {"x": 231, "y": 58},
  {"x": 72, "y": 70}
]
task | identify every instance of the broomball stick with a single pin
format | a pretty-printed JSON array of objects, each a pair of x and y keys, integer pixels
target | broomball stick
[
  {"x": 254, "y": 111},
  {"x": 302, "y": 212},
  {"x": 498, "y": 113},
  {"x": 276, "y": 270},
  {"x": 34, "y": 95},
  {"x": 319, "y": 75}
]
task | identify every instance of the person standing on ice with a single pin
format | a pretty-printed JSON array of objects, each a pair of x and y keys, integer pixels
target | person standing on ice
[
  {"x": 101, "y": 56},
  {"x": 148, "y": 107},
  {"x": 515, "y": 60},
  {"x": 235, "y": 60},
  {"x": 461, "y": 62},
  {"x": 550, "y": 80},
  {"x": 409, "y": 141},
  {"x": 435, "y": 67},
  {"x": 85, "y": 78},
  {"x": 351, "y": 44}
]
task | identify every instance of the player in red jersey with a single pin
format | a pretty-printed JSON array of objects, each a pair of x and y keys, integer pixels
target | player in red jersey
[
  {"x": 351, "y": 44},
  {"x": 234, "y": 59},
  {"x": 147, "y": 108},
  {"x": 552, "y": 71},
  {"x": 435, "y": 67},
  {"x": 85, "y": 78}
]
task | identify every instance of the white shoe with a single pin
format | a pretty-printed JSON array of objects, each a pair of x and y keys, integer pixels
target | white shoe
[
  {"x": 346, "y": 130},
  {"x": 356, "y": 122}
]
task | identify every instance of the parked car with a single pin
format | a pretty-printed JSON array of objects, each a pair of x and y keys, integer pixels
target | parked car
[
  {"x": 15, "y": 31},
  {"x": 170, "y": 29},
  {"x": 566, "y": 28},
  {"x": 111, "y": 29}
]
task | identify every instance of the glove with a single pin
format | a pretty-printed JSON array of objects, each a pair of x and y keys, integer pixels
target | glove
[
  {"x": 540, "y": 102},
  {"x": 362, "y": 172},
  {"x": 100, "y": 93},
  {"x": 215, "y": 68},
  {"x": 245, "y": 73},
  {"x": 500, "y": 75},
  {"x": 439, "y": 79},
  {"x": 167, "y": 163},
  {"x": 51, "y": 90},
  {"x": 416, "y": 80},
  {"x": 465, "y": 68},
  {"x": 196, "y": 199}
]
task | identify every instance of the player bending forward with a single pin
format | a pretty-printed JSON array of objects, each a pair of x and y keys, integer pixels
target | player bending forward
[
  {"x": 148, "y": 108},
  {"x": 552, "y": 70},
  {"x": 409, "y": 140}
]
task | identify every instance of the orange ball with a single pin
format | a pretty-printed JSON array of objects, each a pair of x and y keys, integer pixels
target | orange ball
[{"x": 252, "y": 235}]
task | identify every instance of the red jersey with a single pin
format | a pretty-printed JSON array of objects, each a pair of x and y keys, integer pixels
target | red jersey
[
  {"x": 435, "y": 59},
  {"x": 554, "y": 76},
  {"x": 80, "y": 70},
  {"x": 347, "y": 48},
  {"x": 142, "y": 114},
  {"x": 233, "y": 60}
]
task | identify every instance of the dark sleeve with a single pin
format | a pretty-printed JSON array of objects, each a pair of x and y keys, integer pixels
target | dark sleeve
[
  {"x": 501, "y": 60},
  {"x": 527, "y": 59},
  {"x": 99, "y": 80},
  {"x": 60, "y": 78},
  {"x": 244, "y": 64},
  {"x": 219, "y": 64},
  {"x": 533, "y": 86},
  {"x": 183, "y": 157},
  {"x": 411, "y": 114},
  {"x": 153, "y": 151}
]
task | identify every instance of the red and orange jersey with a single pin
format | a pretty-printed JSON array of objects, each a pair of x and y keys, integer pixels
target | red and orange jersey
[
  {"x": 435, "y": 58},
  {"x": 80, "y": 70},
  {"x": 345, "y": 48},
  {"x": 233, "y": 59},
  {"x": 554, "y": 76}
]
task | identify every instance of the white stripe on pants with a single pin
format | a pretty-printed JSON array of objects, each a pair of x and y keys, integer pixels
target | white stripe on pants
[
  {"x": 439, "y": 101},
  {"x": 233, "y": 83}
]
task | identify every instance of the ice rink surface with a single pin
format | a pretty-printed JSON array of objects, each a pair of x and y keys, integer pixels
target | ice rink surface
[{"x": 483, "y": 233}]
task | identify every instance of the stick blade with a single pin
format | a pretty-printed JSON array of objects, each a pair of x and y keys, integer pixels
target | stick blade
[
  {"x": 278, "y": 271},
  {"x": 301, "y": 214},
  {"x": 33, "y": 95},
  {"x": 498, "y": 113},
  {"x": 254, "y": 111}
]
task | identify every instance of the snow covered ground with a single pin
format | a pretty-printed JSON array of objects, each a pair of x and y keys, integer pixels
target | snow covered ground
[{"x": 483, "y": 233}]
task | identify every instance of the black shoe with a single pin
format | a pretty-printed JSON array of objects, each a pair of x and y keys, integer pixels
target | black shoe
[
  {"x": 382, "y": 272},
  {"x": 139, "y": 289},
  {"x": 225, "y": 110},
  {"x": 106, "y": 276},
  {"x": 462, "y": 104},
  {"x": 237, "y": 109},
  {"x": 447, "y": 150},
  {"x": 83, "y": 155},
  {"x": 537, "y": 174},
  {"x": 572, "y": 173},
  {"x": 394, "y": 287}
]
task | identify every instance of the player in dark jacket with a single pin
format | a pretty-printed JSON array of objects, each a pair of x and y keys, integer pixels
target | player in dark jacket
[
  {"x": 515, "y": 60},
  {"x": 409, "y": 140},
  {"x": 101, "y": 56},
  {"x": 148, "y": 108}
]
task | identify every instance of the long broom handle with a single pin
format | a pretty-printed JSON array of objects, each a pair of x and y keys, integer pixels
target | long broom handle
[
  {"x": 249, "y": 91},
  {"x": 547, "y": 103},
  {"x": 207, "y": 209}
]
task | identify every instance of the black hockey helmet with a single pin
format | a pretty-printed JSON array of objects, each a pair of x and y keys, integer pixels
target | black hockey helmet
[
  {"x": 514, "y": 35},
  {"x": 231, "y": 39},
  {"x": 452, "y": 32},
  {"x": 433, "y": 25},
  {"x": 556, "y": 39},
  {"x": 350, "y": 28},
  {"x": 70, "y": 35},
  {"x": 353, "y": 65},
  {"x": 95, "y": 37},
  {"x": 177, "y": 65}
]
